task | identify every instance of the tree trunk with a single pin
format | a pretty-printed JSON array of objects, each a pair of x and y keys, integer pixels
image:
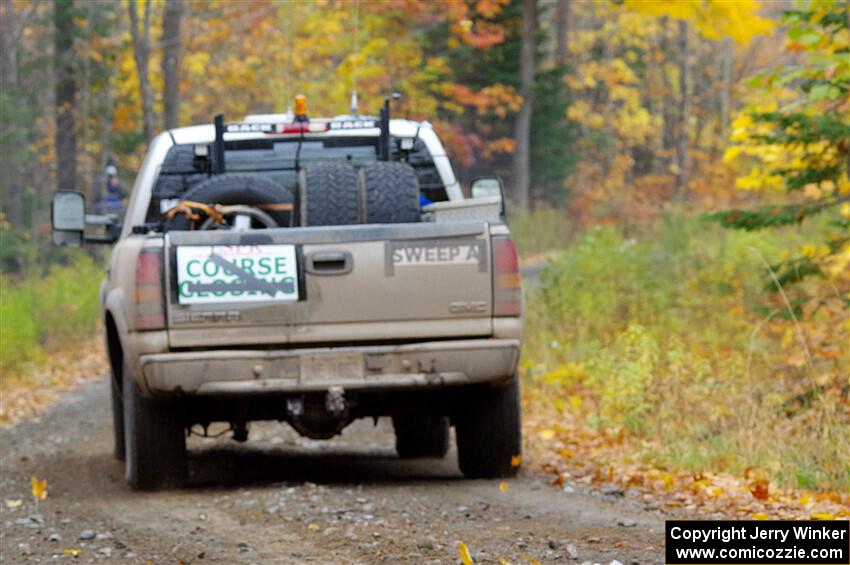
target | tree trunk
[
  {"x": 10, "y": 173},
  {"x": 171, "y": 61},
  {"x": 668, "y": 104},
  {"x": 8, "y": 36},
  {"x": 726, "y": 92},
  {"x": 682, "y": 138},
  {"x": 66, "y": 95},
  {"x": 521, "y": 164},
  {"x": 141, "y": 53},
  {"x": 563, "y": 31}
]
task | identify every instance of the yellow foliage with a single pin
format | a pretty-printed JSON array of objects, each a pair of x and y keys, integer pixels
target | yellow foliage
[
  {"x": 465, "y": 557},
  {"x": 714, "y": 20},
  {"x": 39, "y": 488}
]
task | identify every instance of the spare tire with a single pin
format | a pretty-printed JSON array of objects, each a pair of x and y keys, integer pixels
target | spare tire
[
  {"x": 389, "y": 193},
  {"x": 327, "y": 195},
  {"x": 237, "y": 188}
]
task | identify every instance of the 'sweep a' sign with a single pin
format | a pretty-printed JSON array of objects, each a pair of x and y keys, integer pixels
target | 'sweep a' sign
[{"x": 236, "y": 273}]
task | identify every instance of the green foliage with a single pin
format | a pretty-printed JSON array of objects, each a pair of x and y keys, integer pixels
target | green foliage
[
  {"x": 769, "y": 216},
  {"x": 662, "y": 334},
  {"x": 802, "y": 146},
  {"x": 39, "y": 313},
  {"x": 541, "y": 231},
  {"x": 553, "y": 139}
]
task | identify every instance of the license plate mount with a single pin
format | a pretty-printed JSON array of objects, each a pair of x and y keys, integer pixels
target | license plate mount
[{"x": 332, "y": 366}]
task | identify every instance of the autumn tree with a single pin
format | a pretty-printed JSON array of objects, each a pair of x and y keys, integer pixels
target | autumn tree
[
  {"x": 521, "y": 176},
  {"x": 795, "y": 137},
  {"x": 562, "y": 29},
  {"x": 141, "y": 32},
  {"x": 66, "y": 94},
  {"x": 683, "y": 125},
  {"x": 171, "y": 48},
  {"x": 11, "y": 105}
]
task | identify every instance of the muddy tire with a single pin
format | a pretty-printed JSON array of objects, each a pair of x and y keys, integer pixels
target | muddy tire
[
  {"x": 425, "y": 435},
  {"x": 327, "y": 195},
  {"x": 155, "y": 440},
  {"x": 488, "y": 432},
  {"x": 117, "y": 417},
  {"x": 389, "y": 193},
  {"x": 237, "y": 188}
]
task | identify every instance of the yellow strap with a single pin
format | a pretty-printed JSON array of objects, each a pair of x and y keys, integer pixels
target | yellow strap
[
  {"x": 188, "y": 207},
  {"x": 278, "y": 207}
]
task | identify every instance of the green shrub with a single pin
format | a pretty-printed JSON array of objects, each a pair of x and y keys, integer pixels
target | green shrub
[
  {"x": 541, "y": 231},
  {"x": 38, "y": 314},
  {"x": 663, "y": 335}
]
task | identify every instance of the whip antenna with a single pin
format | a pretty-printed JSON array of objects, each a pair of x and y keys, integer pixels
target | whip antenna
[{"x": 353, "y": 107}]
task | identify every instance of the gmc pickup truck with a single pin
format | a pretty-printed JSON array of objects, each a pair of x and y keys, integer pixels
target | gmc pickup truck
[{"x": 311, "y": 272}]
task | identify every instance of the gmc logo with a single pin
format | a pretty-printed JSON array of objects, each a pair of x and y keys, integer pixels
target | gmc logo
[
  {"x": 201, "y": 317},
  {"x": 475, "y": 307}
]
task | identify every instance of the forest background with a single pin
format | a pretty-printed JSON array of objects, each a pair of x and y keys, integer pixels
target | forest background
[{"x": 681, "y": 168}]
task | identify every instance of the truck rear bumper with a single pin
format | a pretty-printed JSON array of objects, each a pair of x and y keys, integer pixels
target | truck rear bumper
[{"x": 250, "y": 372}]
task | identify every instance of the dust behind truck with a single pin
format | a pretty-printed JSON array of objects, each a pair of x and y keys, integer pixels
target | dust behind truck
[{"x": 313, "y": 272}]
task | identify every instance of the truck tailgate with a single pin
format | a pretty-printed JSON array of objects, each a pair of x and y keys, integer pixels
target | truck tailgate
[{"x": 326, "y": 285}]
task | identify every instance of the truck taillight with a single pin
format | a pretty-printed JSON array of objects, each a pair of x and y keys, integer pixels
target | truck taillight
[
  {"x": 149, "y": 308},
  {"x": 507, "y": 287}
]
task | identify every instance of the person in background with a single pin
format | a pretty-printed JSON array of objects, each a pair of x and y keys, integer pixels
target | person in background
[{"x": 111, "y": 200}]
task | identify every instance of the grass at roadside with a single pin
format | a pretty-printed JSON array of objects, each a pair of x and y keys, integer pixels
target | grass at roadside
[
  {"x": 42, "y": 314},
  {"x": 540, "y": 233},
  {"x": 658, "y": 339}
]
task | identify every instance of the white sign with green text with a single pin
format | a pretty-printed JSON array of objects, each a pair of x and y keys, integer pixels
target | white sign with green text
[{"x": 236, "y": 273}]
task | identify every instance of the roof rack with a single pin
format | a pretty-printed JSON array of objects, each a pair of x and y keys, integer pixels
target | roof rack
[{"x": 302, "y": 127}]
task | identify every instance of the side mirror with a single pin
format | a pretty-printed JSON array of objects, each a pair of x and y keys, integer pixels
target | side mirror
[
  {"x": 489, "y": 187},
  {"x": 68, "y": 215},
  {"x": 69, "y": 218}
]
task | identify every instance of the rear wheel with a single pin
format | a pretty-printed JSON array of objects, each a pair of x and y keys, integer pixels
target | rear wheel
[
  {"x": 117, "y": 416},
  {"x": 488, "y": 432},
  {"x": 425, "y": 435},
  {"x": 155, "y": 440},
  {"x": 327, "y": 195},
  {"x": 389, "y": 193}
]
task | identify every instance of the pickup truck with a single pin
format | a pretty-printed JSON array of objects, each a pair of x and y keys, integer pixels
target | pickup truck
[{"x": 311, "y": 272}]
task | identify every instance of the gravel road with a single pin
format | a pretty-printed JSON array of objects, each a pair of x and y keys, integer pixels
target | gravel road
[{"x": 282, "y": 499}]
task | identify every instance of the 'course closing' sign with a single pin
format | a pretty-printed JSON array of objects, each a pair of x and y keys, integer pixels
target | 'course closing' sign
[{"x": 236, "y": 273}]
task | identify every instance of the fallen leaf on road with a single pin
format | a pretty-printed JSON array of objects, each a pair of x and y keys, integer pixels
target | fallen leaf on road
[
  {"x": 503, "y": 486},
  {"x": 13, "y": 503},
  {"x": 39, "y": 488},
  {"x": 73, "y": 552},
  {"x": 822, "y": 516},
  {"x": 312, "y": 527},
  {"x": 547, "y": 434},
  {"x": 760, "y": 516},
  {"x": 66, "y": 368},
  {"x": 760, "y": 489},
  {"x": 516, "y": 460},
  {"x": 531, "y": 560},
  {"x": 465, "y": 557}
]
